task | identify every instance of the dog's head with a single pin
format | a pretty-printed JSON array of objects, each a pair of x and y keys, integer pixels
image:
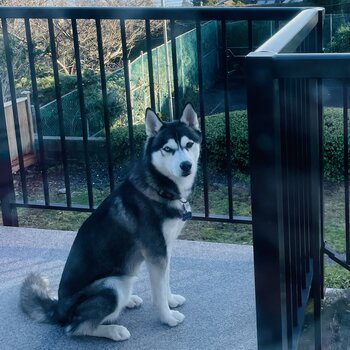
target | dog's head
[{"x": 174, "y": 146}]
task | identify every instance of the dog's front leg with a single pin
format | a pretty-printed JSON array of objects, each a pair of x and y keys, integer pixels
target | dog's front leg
[
  {"x": 174, "y": 300},
  {"x": 158, "y": 276}
]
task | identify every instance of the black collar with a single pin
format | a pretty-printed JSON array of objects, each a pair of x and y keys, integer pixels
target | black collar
[
  {"x": 186, "y": 209},
  {"x": 168, "y": 195},
  {"x": 171, "y": 196}
]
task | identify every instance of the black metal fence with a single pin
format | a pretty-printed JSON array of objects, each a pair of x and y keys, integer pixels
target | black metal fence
[
  {"x": 284, "y": 80},
  {"x": 147, "y": 16}
]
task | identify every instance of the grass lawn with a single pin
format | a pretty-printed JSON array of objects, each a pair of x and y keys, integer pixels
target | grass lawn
[
  {"x": 194, "y": 230},
  {"x": 334, "y": 234},
  {"x": 334, "y": 216}
]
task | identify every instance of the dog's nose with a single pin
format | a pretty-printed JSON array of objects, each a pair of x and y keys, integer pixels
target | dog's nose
[{"x": 186, "y": 166}]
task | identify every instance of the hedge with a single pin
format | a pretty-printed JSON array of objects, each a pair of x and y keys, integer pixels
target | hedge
[
  {"x": 341, "y": 39},
  {"x": 216, "y": 142},
  {"x": 333, "y": 143},
  {"x": 215, "y": 138}
]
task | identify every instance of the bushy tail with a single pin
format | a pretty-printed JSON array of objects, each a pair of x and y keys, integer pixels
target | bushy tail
[{"x": 36, "y": 300}]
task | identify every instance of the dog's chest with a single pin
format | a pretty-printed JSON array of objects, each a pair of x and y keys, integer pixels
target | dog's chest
[{"x": 171, "y": 230}]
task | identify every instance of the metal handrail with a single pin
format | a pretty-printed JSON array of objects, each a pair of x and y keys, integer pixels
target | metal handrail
[
  {"x": 312, "y": 65},
  {"x": 144, "y": 13},
  {"x": 291, "y": 35}
]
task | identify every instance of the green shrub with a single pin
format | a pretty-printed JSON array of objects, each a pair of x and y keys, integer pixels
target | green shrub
[
  {"x": 215, "y": 138},
  {"x": 94, "y": 104},
  {"x": 46, "y": 86},
  {"x": 121, "y": 144},
  {"x": 216, "y": 142},
  {"x": 341, "y": 40},
  {"x": 333, "y": 143}
]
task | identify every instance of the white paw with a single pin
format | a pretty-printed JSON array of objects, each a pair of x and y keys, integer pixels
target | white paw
[
  {"x": 119, "y": 333},
  {"x": 175, "y": 300},
  {"x": 134, "y": 301},
  {"x": 173, "y": 318}
]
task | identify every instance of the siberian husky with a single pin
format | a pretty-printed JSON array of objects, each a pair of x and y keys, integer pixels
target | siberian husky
[{"x": 138, "y": 222}]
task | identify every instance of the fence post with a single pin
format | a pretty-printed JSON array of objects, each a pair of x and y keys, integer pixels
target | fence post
[
  {"x": 267, "y": 204},
  {"x": 316, "y": 211},
  {"x": 7, "y": 191}
]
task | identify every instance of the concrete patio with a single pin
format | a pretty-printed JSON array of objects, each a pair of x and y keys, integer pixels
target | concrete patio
[{"x": 216, "y": 279}]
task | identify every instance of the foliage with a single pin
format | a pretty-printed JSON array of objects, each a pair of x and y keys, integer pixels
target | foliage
[
  {"x": 215, "y": 139},
  {"x": 20, "y": 68},
  {"x": 333, "y": 143},
  {"x": 94, "y": 105},
  {"x": 89, "y": 54},
  {"x": 330, "y": 5},
  {"x": 215, "y": 2},
  {"x": 216, "y": 142},
  {"x": 205, "y": 2},
  {"x": 46, "y": 86},
  {"x": 336, "y": 277},
  {"x": 341, "y": 39},
  {"x": 121, "y": 144},
  {"x": 93, "y": 102}
]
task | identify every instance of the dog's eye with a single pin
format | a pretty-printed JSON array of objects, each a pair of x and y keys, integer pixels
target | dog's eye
[
  {"x": 167, "y": 149},
  {"x": 189, "y": 145}
]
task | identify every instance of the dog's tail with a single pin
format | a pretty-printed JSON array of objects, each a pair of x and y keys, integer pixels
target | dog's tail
[{"x": 36, "y": 300}]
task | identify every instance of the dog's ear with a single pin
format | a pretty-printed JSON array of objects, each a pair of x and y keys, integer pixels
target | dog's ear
[
  {"x": 189, "y": 116},
  {"x": 153, "y": 123}
]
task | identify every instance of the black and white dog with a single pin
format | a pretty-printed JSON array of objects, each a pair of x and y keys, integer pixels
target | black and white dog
[{"x": 138, "y": 222}]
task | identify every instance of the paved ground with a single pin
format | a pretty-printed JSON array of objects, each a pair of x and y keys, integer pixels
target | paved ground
[{"x": 216, "y": 279}]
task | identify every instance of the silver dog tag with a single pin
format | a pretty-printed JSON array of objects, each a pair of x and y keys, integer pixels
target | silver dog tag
[{"x": 187, "y": 214}]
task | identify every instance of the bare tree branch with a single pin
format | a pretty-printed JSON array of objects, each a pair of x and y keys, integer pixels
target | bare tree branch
[{"x": 87, "y": 35}]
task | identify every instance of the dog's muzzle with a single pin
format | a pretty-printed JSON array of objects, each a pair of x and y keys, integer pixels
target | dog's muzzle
[{"x": 186, "y": 168}]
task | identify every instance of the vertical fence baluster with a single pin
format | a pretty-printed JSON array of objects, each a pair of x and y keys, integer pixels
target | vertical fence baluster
[
  {"x": 7, "y": 190},
  {"x": 60, "y": 111},
  {"x": 175, "y": 72},
  {"x": 346, "y": 168},
  {"x": 292, "y": 201},
  {"x": 82, "y": 113},
  {"x": 106, "y": 116},
  {"x": 150, "y": 64},
  {"x": 43, "y": 165},
  {"x": 296, "y": 186},
  {"x": 227, "y": 120},
  {"x": 316, "y": 209},
  {"x": 8, "y": 54},
  {"x": 303, "y": 175},
  {"x": 202, "y": 117},
  {"x": 288, "y": 239},
  {"x": 250, "y": 35},
  {"x": 308, "y": 200},
  {"x": 318, "y": 45},
  {"x": 127, "y": 87}
]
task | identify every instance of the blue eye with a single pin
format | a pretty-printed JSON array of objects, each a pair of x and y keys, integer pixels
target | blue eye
[{"x": 167, "y": 149}]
